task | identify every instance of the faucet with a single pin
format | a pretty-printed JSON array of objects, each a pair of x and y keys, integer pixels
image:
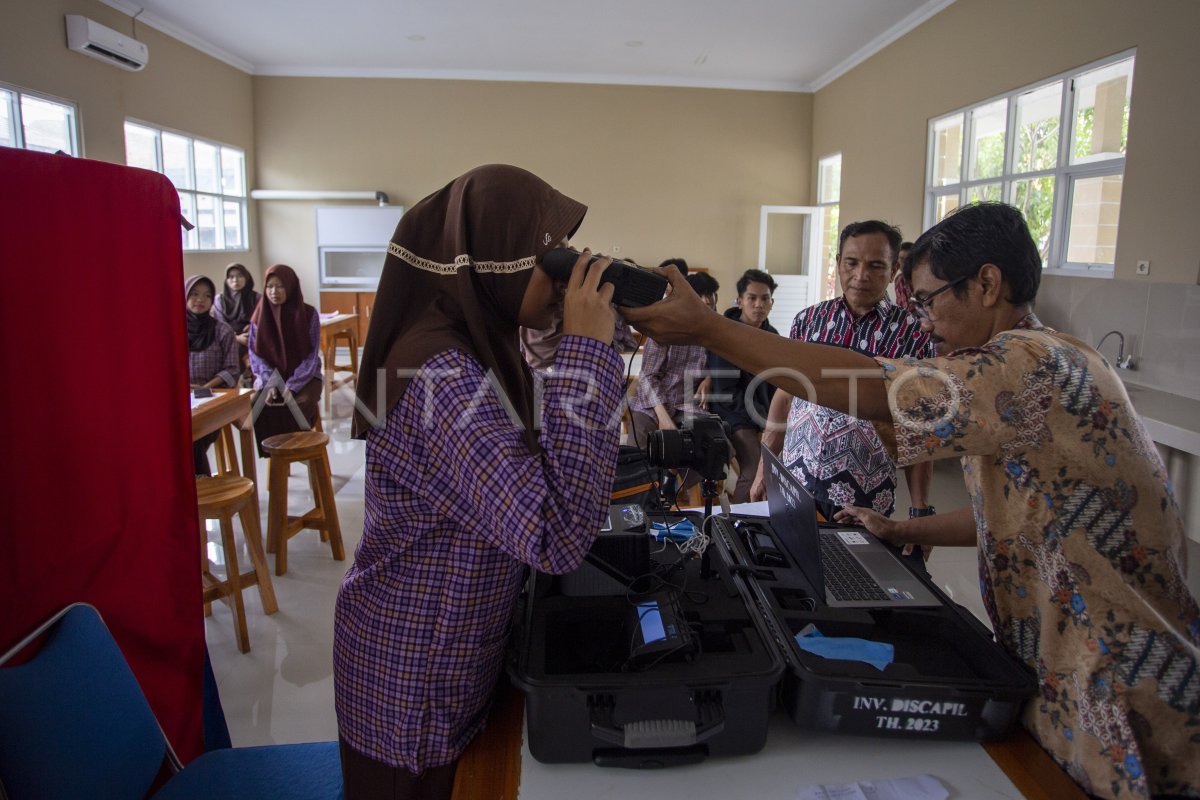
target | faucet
[{"x": 1123, "y": 361}]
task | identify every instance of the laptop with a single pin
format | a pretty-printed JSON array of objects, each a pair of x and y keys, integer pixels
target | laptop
[{"x": 850, "y": 567}]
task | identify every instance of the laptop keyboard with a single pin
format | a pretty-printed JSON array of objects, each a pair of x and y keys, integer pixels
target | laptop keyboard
[{"x": 845, "y": 578}]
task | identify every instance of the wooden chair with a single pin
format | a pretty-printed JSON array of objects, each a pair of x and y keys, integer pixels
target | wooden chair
[
  {"x": 283, "y": 450},
  {"x": 220, "y": 498}
]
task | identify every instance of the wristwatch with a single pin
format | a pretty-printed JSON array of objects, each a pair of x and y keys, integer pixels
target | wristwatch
[{"x": 927, "y": 511}]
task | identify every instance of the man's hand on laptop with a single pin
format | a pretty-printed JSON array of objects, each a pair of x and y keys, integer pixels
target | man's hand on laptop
[{"x": 884, "y": 529}]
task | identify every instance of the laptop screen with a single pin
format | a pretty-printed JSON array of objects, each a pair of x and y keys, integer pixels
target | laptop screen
[{"x": 794, "y": 518}]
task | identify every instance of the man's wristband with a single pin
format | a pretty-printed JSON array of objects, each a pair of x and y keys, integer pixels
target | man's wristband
[{"x": 927, "y": 511}]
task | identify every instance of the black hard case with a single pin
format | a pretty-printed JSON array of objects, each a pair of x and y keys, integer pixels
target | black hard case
[{"x": 949, "y": 680}]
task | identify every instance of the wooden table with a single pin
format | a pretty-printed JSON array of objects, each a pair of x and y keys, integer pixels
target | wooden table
[
  {"x": 229, "y": 407},
  {"x": 340, "y": 326}
]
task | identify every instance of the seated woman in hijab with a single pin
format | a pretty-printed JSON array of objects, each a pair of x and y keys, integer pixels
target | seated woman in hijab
[
  {"x": 236, "y": 303},
  {"x": 212, "y": 353},
  {"x": 285, "y": 339},
  {"x": 461, "y": 489}
]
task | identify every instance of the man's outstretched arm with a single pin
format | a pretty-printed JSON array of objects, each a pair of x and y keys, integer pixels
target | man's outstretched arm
[{"x": 834, "y": 377}]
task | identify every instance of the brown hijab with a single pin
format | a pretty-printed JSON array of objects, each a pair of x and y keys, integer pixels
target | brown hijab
[
  {"x": 455, "y": 275},
  {"x": 282, "y": 332}
]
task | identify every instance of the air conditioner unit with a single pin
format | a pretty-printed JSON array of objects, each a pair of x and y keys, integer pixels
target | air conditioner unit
[{"x": 93, "y": 39}]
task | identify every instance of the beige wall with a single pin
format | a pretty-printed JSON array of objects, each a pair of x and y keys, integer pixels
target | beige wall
[
  {"x": 876, "y": 114},
  {"x": 180, "y": 88},
  {"x": 665, "y": 172}
]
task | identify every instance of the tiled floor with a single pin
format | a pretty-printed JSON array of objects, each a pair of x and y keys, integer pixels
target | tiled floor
[{"x": 282, "y": 690}]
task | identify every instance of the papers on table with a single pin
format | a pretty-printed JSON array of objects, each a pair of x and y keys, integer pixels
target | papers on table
[
  {"x": 922, "y": 787},
  {"x": 199, "y": 401}
]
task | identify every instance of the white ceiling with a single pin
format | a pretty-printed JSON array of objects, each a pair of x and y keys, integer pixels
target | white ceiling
[{"x": 780, "y": 45}]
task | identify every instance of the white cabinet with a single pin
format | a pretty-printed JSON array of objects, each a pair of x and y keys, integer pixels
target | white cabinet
[{"x": 352, "y": 243}]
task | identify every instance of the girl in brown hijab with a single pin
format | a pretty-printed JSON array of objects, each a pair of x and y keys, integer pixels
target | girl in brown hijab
[
  {"x": 461, "y": 487},
  {"x": 285, "y": 337}
]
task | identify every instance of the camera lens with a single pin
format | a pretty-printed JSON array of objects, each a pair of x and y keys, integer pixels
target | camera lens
[{"x": 664, "y": 449}]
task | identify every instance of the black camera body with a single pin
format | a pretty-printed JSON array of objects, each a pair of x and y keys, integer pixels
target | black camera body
[
  {"x": 633, "y": 286},
  {"x": 702, "y": 445}
]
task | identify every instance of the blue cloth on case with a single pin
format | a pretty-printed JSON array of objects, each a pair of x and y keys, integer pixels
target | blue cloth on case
[
  {"x": 845, "y": 648},
  {"x": 678, "y": 531}
]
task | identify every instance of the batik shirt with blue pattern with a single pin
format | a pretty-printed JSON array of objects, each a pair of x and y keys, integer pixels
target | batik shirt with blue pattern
[{"x": 1081, "y": 549}]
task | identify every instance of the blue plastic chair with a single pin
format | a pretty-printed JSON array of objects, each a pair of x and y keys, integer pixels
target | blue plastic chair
[{"x": 75, "y": 724}]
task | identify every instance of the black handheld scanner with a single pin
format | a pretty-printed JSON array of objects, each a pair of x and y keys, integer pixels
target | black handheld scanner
[{"x": 633, "y": 286}]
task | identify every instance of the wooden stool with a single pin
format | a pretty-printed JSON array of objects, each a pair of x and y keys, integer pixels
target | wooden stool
[
  {"x": 283, "y": 450},
  {"x": 225, "y": 452},
  {"x": 329, "y": 357},
  {"x": 220, "y": 498}
]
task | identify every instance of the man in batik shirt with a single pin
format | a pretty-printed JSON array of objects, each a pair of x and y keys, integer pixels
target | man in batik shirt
[
  {"x": 840, "y": 459},
  {"x": 1080, "y": 539}
]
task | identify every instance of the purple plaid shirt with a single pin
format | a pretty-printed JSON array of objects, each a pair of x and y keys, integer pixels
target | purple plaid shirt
[
  {"x": 455, "y": 504},
  {"x": 670, "y": 375},
  {"x": 309, "y": 368},
  {"x": 219, "y": 359}
]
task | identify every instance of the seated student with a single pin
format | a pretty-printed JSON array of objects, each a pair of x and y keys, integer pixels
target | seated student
[
  {"x": 236, "y": 303},
  {"x": 212, "y": 353},
  {"x": 679, "y": 264},
  {"x": 285, "y": 350},
  {"x": 668, "y": 387},
  {"x": 461, "y": 489},
  {"x": 740, "y": 402},
  {"x": 234, "y": 306}
]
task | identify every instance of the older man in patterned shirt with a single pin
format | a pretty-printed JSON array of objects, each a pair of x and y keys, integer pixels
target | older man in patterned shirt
[
  {"x": 1080, "y": 539},
  {"x": 840, "y": 459}
]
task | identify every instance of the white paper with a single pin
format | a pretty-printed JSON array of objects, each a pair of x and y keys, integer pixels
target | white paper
[{"x": 921, "y": 787}]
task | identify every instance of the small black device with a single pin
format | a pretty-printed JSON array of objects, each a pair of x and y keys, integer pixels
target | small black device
[
  {"x": 199, "y": 393},
  {"x": 633, "y": 286},
  {"x": 763, "y": 551},
  {"x": 702, "y": 445},
  {"x": 660, "y": 632}
]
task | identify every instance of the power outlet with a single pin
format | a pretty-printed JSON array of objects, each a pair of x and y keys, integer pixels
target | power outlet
[{"x": 1143, "y": 267}]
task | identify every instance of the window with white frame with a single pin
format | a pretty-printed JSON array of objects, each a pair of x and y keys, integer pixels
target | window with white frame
[
  {"x": 829, "y": 195},
  {"x": 1055, "y": 150},
  {"x": 35, "y": 122},
  {"x": 210, "y": 179}
]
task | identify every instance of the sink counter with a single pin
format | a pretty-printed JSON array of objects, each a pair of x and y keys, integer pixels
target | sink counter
[
  {"x": 1170, "y": 419},
  {"x": 1173, "y": 422}
]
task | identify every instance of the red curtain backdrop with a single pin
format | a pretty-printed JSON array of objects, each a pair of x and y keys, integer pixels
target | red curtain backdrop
[{"x": 97, "y": 497}]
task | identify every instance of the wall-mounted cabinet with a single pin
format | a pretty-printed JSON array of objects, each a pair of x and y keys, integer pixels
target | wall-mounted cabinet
[
  {"x": 351, "y": 247},
  {"x": 352, "y": 243}
]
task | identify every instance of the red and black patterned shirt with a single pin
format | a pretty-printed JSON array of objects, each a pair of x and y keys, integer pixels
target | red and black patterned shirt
[{"x": 839, "y": 458}]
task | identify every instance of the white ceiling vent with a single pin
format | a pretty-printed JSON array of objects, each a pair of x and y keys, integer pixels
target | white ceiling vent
[{"x": 93, "y": 39}]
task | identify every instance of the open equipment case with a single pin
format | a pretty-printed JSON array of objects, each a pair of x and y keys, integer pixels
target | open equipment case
[{"x": 591, "y": 695}]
